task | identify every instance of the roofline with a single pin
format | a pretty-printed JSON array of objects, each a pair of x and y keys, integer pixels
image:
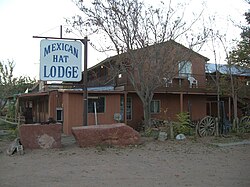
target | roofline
[
  {"x": 33, "y": 94},
  {"x": 171, "y": 41}
]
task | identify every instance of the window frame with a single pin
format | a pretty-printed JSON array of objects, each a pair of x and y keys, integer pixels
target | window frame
[
  {"x": 185, "y": 68},
  {"x": 156, "y": 111},
  {"x": 122, "y": 101},
  {"x": 131, "y": 109},
  {"x": 59, "y": 109},
  {"x": 97, "y": 110}
]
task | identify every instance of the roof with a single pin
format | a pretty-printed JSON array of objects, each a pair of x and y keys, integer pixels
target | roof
[
  {"x": 225, "y": 69},
  {"x": 159, "y": 44},
  {"x": 37, "y": 94},
  {"x": 92, "y": 90}
]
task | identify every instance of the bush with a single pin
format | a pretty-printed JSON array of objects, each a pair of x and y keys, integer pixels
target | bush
[{"x": 182, "y": 126}]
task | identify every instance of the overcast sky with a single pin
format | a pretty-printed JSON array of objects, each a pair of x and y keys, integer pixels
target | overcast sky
[{"x": 22, "y": 19}]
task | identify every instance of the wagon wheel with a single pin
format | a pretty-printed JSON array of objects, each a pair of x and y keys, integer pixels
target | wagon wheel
[
  {"x": 244, "y": 125},
  {"x": 206, "y": 126}
]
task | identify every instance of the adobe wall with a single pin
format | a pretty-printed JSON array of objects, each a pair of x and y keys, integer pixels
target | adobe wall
[{"x": 35, "y": 136}]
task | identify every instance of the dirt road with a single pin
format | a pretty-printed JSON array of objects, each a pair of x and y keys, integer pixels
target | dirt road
[{"x": 170, "y": 163}]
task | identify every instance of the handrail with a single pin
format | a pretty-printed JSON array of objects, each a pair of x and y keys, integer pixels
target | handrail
[{"x": 6, "y": 120}]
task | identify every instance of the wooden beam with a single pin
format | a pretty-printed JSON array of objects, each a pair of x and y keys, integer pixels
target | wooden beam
[
  {"x": 125, "y": 107},
  {"x": 181, "y": 102}
]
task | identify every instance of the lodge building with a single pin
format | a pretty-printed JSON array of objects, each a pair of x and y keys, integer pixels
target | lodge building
[{"x": 113, "y": 100}]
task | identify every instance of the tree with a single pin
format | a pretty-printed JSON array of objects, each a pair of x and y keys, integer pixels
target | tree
[
  {"x": 240, "y": 55},
  {"x": 142, "y": 37},
  {"x": 10, "y": 85}
]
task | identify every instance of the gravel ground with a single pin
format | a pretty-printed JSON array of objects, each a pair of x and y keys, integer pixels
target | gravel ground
[{"x": 192, "y": 162}]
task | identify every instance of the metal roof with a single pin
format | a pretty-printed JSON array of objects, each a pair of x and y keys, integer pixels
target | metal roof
[{"x": 225, "y": 69}]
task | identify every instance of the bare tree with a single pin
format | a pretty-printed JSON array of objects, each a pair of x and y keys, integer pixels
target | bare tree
[
  {"x": 237, "y": 85},
  {"x": 144, "y": 36}
]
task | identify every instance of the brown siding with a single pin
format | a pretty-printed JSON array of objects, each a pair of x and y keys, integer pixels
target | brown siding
[
  {"x": 112, "y": 106},
  {"x": 198, "y": 70},
  {"x": 170, "y": 106},
  {"x": 137, "y": 111},
  {"x": 52, "y": 104},
  {"x": 72, "y": 111},
  {"x": 40, "y": 109},
  {"x": 197, "y": 106}
]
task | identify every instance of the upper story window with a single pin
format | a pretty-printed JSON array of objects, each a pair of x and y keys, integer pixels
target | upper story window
[{"x": 185, "y": 68}]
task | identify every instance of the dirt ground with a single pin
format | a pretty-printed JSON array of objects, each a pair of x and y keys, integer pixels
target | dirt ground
[{"x": 193, "y": 162}]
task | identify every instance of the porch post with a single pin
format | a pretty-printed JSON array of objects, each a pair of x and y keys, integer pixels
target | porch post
[
  {"x": 181, "y": 102},
  {"x": 229, "y": 109},
  {"x": 125, "y": 107}
]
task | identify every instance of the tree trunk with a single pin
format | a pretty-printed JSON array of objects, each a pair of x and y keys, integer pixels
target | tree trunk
[
  {"x": 235, "y": 105},
  {"x": 146, "y": 112}
]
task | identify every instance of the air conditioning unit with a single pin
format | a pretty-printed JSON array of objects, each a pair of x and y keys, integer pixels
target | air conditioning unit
[{"x": 117, "y": 117}]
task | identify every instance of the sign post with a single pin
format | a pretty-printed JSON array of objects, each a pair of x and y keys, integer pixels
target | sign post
[
  {"x": 85, "y": 81},
  {"x": 61, "y": 60}
]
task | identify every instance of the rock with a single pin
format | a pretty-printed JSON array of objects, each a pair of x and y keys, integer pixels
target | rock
[
  {"x": 13, "y": 147},
  {"x": 180, "y": 137},
  {"x": 40, "y": 136},
  {"x": 45, "y": 141},
  {"x": 162, "y": 136},
  {"x": 115, "y": 134}
]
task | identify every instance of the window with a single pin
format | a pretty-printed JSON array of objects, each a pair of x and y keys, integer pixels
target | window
[
  {"x": 99, "y": 102},
  {"x": 59, "y": 114},
  {"x": 155, "y": 107},
  {"x": 129, "y": 108},
  {"x": 185, "y": 68}
]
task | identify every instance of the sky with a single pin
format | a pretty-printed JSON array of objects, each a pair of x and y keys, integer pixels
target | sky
[{"x": 22, "y": 19}]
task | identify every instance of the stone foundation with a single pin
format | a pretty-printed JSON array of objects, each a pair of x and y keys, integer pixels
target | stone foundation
[
  {"x": 114, "y": 134},
  {"x": 36, "y": 136}
]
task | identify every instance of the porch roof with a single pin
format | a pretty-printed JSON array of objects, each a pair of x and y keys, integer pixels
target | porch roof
[
  {"x": 92, "y": 91},
  {"x": 37, "y": 94}
]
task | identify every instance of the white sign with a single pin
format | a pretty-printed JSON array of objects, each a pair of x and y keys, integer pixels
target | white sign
[{"x": 60, "y": 60}]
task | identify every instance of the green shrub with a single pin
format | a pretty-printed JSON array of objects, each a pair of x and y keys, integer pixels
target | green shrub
[
  {"x": 182, "y": 126},
  {"x": 150, "y": 132}
]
